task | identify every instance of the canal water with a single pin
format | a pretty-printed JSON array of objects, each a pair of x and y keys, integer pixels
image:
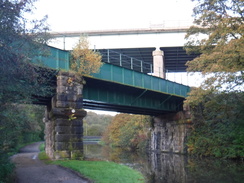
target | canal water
[{"x": 171, "y": 168}]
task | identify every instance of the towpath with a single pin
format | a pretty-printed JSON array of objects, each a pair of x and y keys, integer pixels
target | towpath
[{"x": 29, "y": 169}]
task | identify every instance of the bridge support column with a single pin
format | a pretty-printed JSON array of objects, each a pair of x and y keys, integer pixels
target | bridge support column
[
  {"x": 158, "y": 63},
  {"x": 64, "y": 119},
  {"x": 170, "y": 133}
]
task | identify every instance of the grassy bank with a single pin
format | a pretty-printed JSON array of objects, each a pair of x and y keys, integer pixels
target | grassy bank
[
  {"x": 103, "y": 171},
  {"x": 99, "y": 171}
]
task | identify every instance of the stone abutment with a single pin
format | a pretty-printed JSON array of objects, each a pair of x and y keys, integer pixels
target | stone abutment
[
  {"x": 170, "y": 132},
  {"x": 64, "y": 119}
]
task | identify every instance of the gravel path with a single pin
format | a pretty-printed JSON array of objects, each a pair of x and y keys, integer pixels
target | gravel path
[{"x": 29, "y": 169}]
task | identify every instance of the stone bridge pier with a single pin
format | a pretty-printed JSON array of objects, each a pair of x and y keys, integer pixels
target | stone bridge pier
[
  {"x": 64, "y": 119},
  {"x": 170, "y": 132}
]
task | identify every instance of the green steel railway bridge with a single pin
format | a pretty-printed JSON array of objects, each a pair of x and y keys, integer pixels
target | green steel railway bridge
[{"x": 124, "y": 84}]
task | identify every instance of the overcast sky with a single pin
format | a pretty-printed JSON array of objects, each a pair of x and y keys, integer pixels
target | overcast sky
[{"x": 76, "y": 15}]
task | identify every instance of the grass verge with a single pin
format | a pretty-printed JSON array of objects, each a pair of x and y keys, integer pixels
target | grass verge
[
  {"x": 99, "y": 171},
  {"x": 103, "y": 171}
]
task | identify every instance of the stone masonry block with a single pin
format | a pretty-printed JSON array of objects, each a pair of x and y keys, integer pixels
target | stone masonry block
[
  {"x": 63, "y": 129},
  {"x": 68, "y": 104},
  {"x": 61, "y": 89},
  {"x": 72, "y": 98},
  {"x": 61, "y": 97},
  {"x": 59, "y": 146},
  {"x": 62, "y": 104},
  {"x": 66, "y": 122},
  {"x": 79, "y": 105},
  {"x": 79, "y": 99},
  {"x": 66, "y": 112},
  {"x": 63, "y": 81},
  {"x": 68, "y": 137},
  {"x": 77, "y": 122},
  {"x": 69, "y": 129},
  {"x": 77, "y": 130},
  {"x": 62, "y": 122},
  {"x": 79, "y": 90}
]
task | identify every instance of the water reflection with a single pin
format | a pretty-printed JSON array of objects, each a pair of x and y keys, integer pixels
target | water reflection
[{"x": 171, "y": 168}]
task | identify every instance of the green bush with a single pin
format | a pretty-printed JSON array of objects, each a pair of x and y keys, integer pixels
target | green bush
[
  {"x": 218, "y": 126},
  {"x": 19, "y": 125},
  {"x": 6, "y": 168}
]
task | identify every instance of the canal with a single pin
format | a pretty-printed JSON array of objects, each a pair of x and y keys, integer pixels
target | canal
[{"x": 171, "y": 168}]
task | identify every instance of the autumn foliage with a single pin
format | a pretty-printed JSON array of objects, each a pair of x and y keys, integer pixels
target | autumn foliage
[
  {"x": 217, "y": 106},
  {"x": 218, "y": 34},
  {"x": 84, "y": 60},
  {"x": 128, "y": 131}
]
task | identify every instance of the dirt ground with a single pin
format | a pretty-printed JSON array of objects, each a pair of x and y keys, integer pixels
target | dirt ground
[{"x": 29, "y": 169}]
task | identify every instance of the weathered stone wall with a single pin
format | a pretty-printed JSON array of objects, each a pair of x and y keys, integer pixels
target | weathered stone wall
[
  {"x": 64, "y": 119},
  {"x": 170, "y": 133}
]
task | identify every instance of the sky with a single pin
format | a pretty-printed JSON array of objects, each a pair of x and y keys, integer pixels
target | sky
[{"x": 77, "y": 15}]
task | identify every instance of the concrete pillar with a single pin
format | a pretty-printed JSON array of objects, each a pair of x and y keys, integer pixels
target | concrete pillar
[
  {"x": 64, "y": 119},
  {"x": 158, "y": 63}
]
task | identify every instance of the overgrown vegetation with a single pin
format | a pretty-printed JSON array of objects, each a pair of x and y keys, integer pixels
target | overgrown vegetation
[
  {"x": 217, "y": 106},
  {"x": 128, "y": 131},
  {"x": 20, "y": 124},
  {"x": 19, "y": 80},
  {"x": 218, "y": 125},
  {"x": 84, "y": 60},
  {"x": 103, "y": 171}
]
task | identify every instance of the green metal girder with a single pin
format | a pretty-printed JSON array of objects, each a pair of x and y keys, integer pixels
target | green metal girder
[
  {"x": 132, "y": 78},
  {"x": 130, "y": 97},
  {"x": 56, "y": 59},
  {"x": 122, "y": 88}
]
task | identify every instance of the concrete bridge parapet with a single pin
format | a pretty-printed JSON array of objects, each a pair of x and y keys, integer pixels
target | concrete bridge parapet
[{"x": 64, "y": 119}]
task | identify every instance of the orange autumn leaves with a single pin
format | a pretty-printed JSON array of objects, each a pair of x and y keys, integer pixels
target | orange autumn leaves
[
  {"x": 84, "y": 60},
  {"x": 128, "y": 131}
]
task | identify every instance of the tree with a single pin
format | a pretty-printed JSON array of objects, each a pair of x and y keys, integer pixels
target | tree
[
  {"x": 218, "y": 34},
  {"x": 84, "y": 60},
  {"x": 217, "y": 106},
  {"x": 18, "y": 45},
  {"x": 19, "y": 79},
  {"x": 218, "y": 125},
  {"x": 96, "y": 124},
  {"x": 128, "y": 131}
]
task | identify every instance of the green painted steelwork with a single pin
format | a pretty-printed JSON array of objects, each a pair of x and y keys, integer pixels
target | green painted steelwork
[
  {"x": 124, "y": 98},
  {"x": 132, "y": 78},
  {"x": 55, "y": 59},
  {"x": 119, "y": 89}
]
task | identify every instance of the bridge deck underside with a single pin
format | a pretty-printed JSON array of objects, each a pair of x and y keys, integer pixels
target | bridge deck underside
[
  {"x": 175, "y": 58},
  {"x": 110, "y": 96}
]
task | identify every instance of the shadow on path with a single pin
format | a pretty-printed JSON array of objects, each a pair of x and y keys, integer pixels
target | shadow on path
[{"x": 29, "y": 169}]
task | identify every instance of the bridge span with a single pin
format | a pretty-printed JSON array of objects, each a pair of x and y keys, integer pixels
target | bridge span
[
  {"x": 119, "y": 89},
  {"x": 123, "y": 38},
  {"x": 114, "y": 88},
  {"x": 136, "y": 43}
]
